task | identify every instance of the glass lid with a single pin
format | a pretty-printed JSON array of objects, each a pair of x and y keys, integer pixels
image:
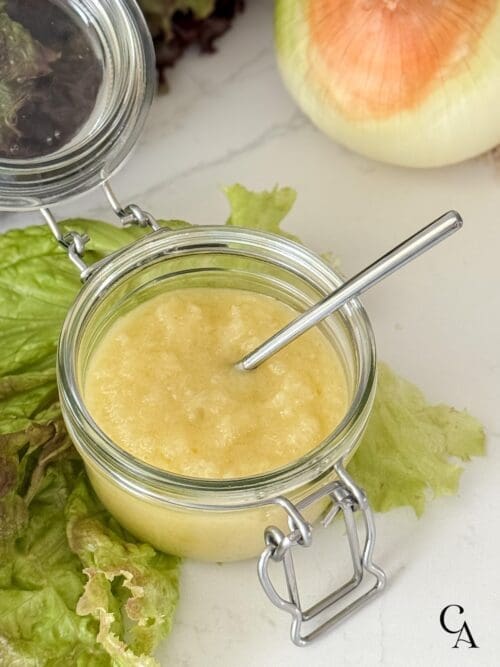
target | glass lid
[{"x": 76, "y": 82}]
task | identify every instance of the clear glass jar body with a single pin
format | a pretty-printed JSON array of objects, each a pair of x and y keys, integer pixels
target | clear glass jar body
[{"x": 215, "y": 520}]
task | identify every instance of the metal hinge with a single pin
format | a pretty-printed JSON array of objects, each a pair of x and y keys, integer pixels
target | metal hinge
[{"x": 74, "y": 243}]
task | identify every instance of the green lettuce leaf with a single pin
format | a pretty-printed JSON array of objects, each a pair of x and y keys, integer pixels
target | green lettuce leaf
[
  {"x": 147, "y": 578},
  {"x": 41, "y": 582},
  {"x": 260, "y": 210},
  {"x": 37, "y": 287},
  {"x": 45, "y": 614},
  {"x": 410, "y": 448},
  {"x": 75, "y": 588},
  {"x": 177, "y": 25},
  {"x": 161, "y": 11}
]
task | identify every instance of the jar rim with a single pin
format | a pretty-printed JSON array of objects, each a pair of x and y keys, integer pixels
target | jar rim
[
  {"x": 115, "y": 124},
  {"x": 143, "y": 479}
]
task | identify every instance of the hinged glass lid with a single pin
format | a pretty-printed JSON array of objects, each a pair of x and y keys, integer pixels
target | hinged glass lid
[{"x": 76, "y": 82}]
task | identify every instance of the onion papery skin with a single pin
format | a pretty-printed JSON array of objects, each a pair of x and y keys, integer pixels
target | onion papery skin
[{"x": 409, "y": 82}]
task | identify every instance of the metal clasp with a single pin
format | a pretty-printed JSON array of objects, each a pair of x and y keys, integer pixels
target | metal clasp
[
  {"x": 74, "y": 243},
  {"x": 131, "y": 214},
  {"x": 346, "y": 497}
]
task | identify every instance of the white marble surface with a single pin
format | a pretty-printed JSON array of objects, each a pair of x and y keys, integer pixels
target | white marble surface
[{"x": 229, "y": 119}]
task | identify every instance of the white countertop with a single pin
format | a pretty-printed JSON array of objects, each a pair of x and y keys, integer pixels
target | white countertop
[{"x": 229, "y": 119}]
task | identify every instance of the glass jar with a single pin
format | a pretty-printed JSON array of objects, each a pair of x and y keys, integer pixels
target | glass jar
[{"x": 221, "y": 520}]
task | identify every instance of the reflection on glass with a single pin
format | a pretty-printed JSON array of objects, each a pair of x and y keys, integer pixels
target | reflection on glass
[{"x": 49, "y": 78}]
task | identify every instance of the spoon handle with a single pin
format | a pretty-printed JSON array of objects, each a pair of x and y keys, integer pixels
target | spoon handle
[{"x": 414, "y": 246}]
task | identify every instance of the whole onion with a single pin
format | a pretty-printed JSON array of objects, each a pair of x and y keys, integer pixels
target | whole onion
[{"x": 411, "y": 82}]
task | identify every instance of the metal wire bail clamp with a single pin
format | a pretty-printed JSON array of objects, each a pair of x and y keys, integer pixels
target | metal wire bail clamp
[{"x": 346, "y": 497}]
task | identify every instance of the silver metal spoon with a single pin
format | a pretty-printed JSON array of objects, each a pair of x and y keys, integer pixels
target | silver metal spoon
[{"x": 414, "y": 246}]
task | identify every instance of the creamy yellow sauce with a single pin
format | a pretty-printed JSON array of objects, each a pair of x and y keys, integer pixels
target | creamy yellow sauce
[{"x": 162, "y": 385}]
